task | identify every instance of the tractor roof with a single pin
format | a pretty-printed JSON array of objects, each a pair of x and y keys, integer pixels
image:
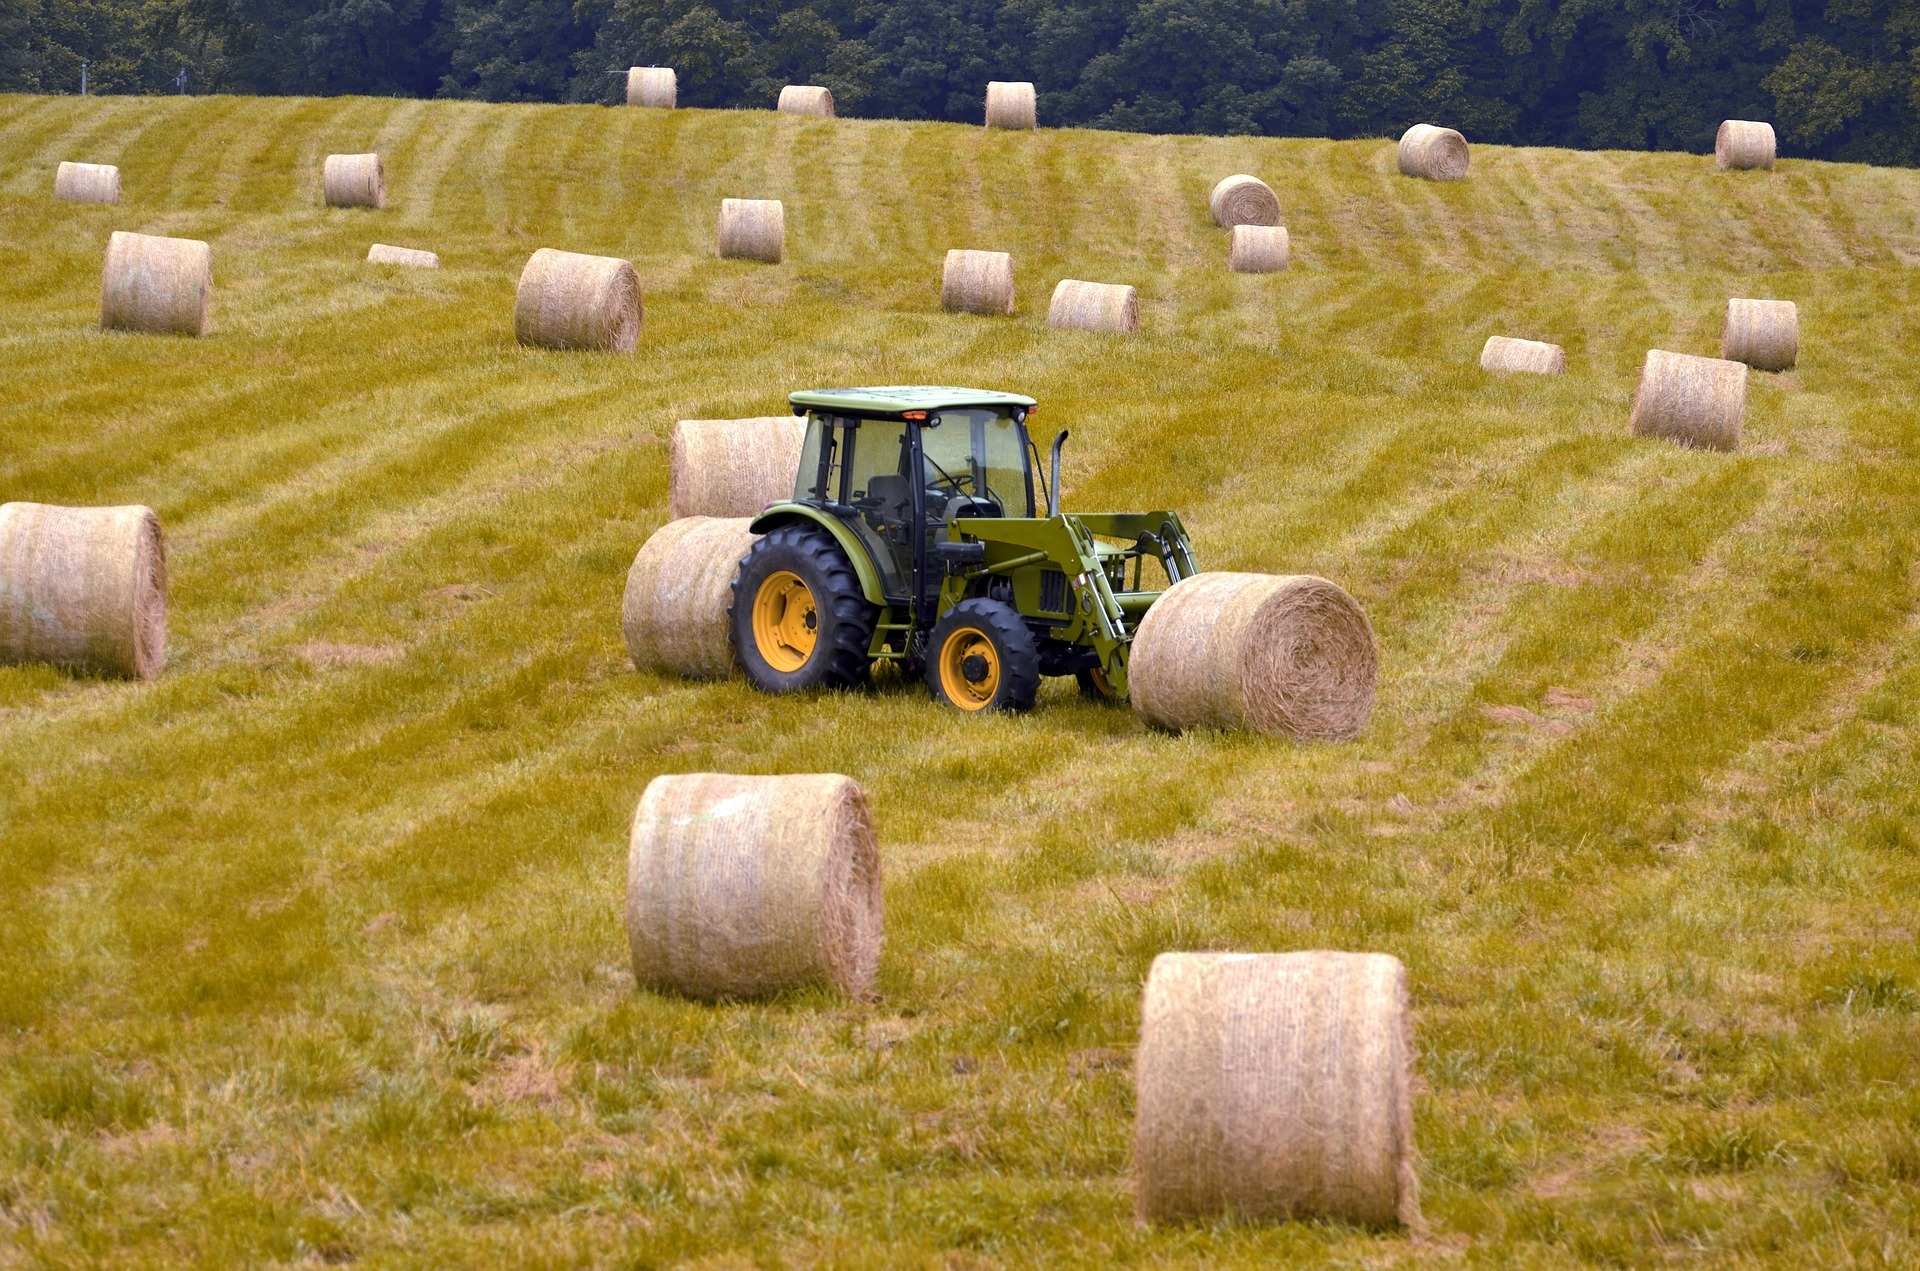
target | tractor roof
[{"x": 896, "y": 400}]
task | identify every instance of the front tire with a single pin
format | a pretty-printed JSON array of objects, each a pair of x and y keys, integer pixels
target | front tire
[
  {"x": 982, "y": 658},
  {"x": 799, "y": 618}
]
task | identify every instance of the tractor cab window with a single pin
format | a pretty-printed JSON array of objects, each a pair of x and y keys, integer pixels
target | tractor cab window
[
  {"x": 876, "y": 459},
  {"x": 975, "y": 459}
]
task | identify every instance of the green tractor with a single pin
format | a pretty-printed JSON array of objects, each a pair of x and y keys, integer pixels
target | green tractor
[{"x": 913, "y": 537}]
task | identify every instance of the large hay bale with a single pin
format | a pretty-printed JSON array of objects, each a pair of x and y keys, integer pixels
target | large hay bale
[
  {"x": 1743, "y": 143},
  {"x": 1504, "y": 353},
  {"x": 1277, "y": 1086},
  {"x": 1012, "y": 105},
  {"x": 655, "y": 86},
  {"x": 83, "y": 588},
  {"x": 1696, "y": 401},
  {"x": 354, "y": 180},
  {"x": 1438, "y": 154},
  {"x": 1258, "y": 249},
  {"x": 1093, "y": 306},
  {"x": 1765, "y": 334},
  {"x": 806, "y": 99},
  {"x": 674, "y": 613},
  {"x": 977, "y": 282},
  {"x": 1289, "y": 654},
  {"x": 745, "y": 886},
  {"x": 567, "y": 300},
  {"x": 411, "y": 257},
  {"x": 1243, "y": 200},
  {"x": 87, "y": 183},
  {"x": 155, "y": 284},
  {"x": 732, "y": 467},
  {"x": 753, "y": 229}
]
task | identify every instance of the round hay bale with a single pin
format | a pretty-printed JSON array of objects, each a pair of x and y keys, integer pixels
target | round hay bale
[
  {"x": 354, "y": 180},
  {"x": 412, "y": 258},
  {"x": 977, "y": 282},
  {"x": 87, "y": 183},
  {"x": 674, "y": 613},
  {"x": 1696, "y": 401},
  {"x": 1275, "y": 1086},
  {"x": 84, "y": 588},
  {"x": 1765, "y": 334},
  {"x": 1012, "y": 105},
  {"x": 154, "y": 284},
  {"x": 1093, "y": 306},
  {"x": 1243, "y": 200},
  {"x": 655, "y": 86},
  {"x": 1438, "y": 154},
  {"x": 745, "y": 886},
  {"x": 1288, "y": 654},
  {"x": 806, "y": 99},
  {"x": 1258, "y": 249},
  {"x": 732, "y": 467},
  {"x": 1743, "y": 143},
  {"x": 570, "y": 301},
  {"x": 1503, "y": 353},
  {"x": 753, "y": 229}
]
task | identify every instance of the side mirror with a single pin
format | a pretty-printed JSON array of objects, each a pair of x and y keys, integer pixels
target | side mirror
[{"x": 1053, "y": 487}]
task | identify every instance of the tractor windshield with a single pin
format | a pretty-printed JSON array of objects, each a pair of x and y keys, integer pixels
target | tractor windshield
[{"x": 979, "y": 454}]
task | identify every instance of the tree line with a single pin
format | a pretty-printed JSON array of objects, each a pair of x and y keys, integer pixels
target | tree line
[{"x": 1840, "y": 80}]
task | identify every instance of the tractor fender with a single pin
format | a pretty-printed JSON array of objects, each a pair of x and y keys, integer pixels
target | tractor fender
[{"x": 800, "y": 514}]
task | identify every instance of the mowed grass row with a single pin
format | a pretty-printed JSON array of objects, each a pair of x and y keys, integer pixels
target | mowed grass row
[{"x": 313, "y": 948}]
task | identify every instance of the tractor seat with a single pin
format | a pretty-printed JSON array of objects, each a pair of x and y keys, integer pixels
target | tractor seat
[{"x": 894, "y": 494}]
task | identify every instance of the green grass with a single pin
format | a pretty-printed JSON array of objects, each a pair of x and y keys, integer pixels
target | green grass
[{"x": 313, "y": 949}]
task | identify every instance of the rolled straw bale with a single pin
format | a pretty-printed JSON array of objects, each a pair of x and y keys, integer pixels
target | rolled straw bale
[
  {"x": 753, "y": 229},
  {"x": 354, "y": 180},
  {"x": 1743, "y": 143},
  {"x": 1012, "y": 105},
  {"x": 1275, "y": 1085},
  {"x": 87, "y": 183},
  {"x": 1258, "y": 249},
  {"x": 1439, "y": 154},
  {"x": 744, "y": 886},
  {"x": 1243, "y": 200},
  {"x": 1094, "y": 306},
  {"x": 654, "y": 86},
  {"x": 977, "y": 282},
  {"x": 570, "y": 301},
  {"x": 411, "y": 257},
  {"x": 806, "y": 99},
  {"x": 674, "y": 613},
  {"x": 732, "y": 467},
  {"x": 1697, "y": 401},
  {"x": 1503, "y": 353},
  {"x": 1765, "y": 334},
  {"x": 156, "y": 284},
  {"x": 1274, "y": 653},
  {"x": 84, "y": 588}
]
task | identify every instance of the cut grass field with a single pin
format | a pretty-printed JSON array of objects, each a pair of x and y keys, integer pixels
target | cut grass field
[{"x": 313, "y": 949}]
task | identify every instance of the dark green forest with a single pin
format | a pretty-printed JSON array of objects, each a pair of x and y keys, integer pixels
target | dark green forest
[{"x": 1840, "y": 80}]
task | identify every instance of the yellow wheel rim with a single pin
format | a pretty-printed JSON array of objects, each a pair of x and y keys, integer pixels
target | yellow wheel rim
[
  {"x": 1100, "y": 681},
  {"x": 786, "y": 623},
  {"x": 969, "y": 670}
]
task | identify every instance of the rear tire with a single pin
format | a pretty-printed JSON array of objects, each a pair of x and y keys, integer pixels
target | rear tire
[
  {"x": 799, "y": 618},
  {"x": 982, "y": 658}
]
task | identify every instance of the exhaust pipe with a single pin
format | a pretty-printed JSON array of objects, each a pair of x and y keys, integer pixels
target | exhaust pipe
[{"x": 1053, "y": 489}]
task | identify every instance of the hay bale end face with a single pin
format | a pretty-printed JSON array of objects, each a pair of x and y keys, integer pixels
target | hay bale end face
[
  {"x": 156, "y": 285},
  {"x": 1743, "y": 144},
  {"x": 675, "y": 610},
  {"x": 1258, "y": 249},
  {"x": 977, "y": 282},
  {"x": 87, "y": 183},
  {"x": 739, "y": 887},
  {"x": 84, "y": 588},
  {"x": 1243, "y": 200},
  {"x": 732, "y": 467},
  {"x": 1012, "y": 104},
  {"x": 1291, "y": 655},
  {"x": 1438, "y": 154},
  {"x": 567, "y": 300},
  {"x": 1094, "y": 306},
  {"x": 1503, "y": 353},
  {"x": 1275, "y": 1086},
  {"x": 806, "y": 99},
  {"x": 1765, "y": 334},
  {"x": 354, "y": 180},
  {"x": 655, "y": 86},
  {"x": 753, "y": 229},
  {"x": 411, "y": 258},
  {"x": 1696, "y": 401}
]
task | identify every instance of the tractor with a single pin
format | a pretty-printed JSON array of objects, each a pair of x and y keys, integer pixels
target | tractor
[{"x": 913, "y": 537}]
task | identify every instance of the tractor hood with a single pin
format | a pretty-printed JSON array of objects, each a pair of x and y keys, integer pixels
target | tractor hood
[{"x": 868, "y": 402}]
